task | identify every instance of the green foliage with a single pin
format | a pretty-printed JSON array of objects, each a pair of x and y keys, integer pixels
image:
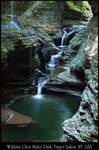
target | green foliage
[
  {"x": 80, "y": 6},
  {"x": 72, "y": 6}
]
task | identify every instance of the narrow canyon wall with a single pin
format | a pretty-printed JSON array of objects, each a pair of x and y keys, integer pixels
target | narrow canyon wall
[{"x": 83, "y": 126}]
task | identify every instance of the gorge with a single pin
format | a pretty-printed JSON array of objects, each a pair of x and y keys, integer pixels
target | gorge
[{"x": 56, "y": 44}]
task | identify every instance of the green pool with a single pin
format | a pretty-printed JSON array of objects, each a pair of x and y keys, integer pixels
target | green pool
[{"x": 49, "y": 111}]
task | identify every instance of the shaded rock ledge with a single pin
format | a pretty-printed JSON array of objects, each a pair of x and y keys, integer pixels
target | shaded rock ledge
[{"x": 83, "y": 126}]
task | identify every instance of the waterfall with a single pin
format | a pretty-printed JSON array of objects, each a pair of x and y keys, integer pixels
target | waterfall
[
  {"x": 12, "y": 9},
  {"x": 63, "y": 37},
  {"x": 13, "y": 22},
  {"x": 39, "y": 90},
  {"x": 52, "y": 62},
  {"x": 41, "y": 84},
  {"x": 66, "y": 35},
  {"x": 54, "y": 58}
]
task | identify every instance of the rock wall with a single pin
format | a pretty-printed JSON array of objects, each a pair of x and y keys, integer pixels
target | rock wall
[
  {"x": 17, "y": 57},
  {"x": 83, "y": 126},
  {"x": 42, "y": 16},
  {"x": 19, "y": 7},
  {"x": 52, "y": 16}
]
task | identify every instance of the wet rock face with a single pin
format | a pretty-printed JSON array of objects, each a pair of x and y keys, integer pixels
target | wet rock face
[
  {"x": 19, "y": 54},
  {"x": 83, "y": 126},
  {"x": 17, "y": 59},
  {"x": 19, "y": 7}
]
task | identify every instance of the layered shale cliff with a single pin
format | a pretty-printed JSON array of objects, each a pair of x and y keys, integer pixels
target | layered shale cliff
[{"x": 83, "y": 126}]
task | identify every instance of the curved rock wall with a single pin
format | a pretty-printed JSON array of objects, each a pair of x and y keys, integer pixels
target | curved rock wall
[{"x": 83, "y": 126}]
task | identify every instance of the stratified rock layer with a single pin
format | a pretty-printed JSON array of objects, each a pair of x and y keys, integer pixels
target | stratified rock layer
[{"x": 83, "y": 126}]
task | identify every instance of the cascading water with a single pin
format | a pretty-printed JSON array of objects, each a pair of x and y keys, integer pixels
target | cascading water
[
  {"x": 66, "y": 35},
  {"x": 39, "y": 90},
  {"x": 12, "y": 9},
  {"x": 12, "y": 23},
  {"x": 52, "y": 62},
  {"x": 54, "y": 58},
  {"x": 63, "y": 37},
  {"x": 40, "y": 85}
]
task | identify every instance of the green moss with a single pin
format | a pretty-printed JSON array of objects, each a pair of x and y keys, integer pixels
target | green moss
[
  {"x": 80, "y": 6},
  {"x": 72, "y": 6}
]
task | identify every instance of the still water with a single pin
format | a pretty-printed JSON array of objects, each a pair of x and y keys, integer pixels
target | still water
[{"x": 50, "y": 110}]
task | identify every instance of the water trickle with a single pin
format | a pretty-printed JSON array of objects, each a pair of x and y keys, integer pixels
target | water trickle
[
  {"x": 12, "y": 4},
  {"x": 63, "y": 37}
]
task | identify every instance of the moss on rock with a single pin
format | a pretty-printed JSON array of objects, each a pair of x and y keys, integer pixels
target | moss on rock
[{"x": 80, "y": 6}]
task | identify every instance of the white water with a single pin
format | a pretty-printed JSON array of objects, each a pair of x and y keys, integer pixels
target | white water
[
  {"x": 66, "y": 35},
  {"x": 39, "y": 90},
  {"x": 52, "y": 62},
  {"x": 12, "y": 6},
  {"x": 13, "y": 23},
  {"x": 63, "y": 37},
  {"x": 12, "y": 10},
  {"x": 41, "y": 84}
]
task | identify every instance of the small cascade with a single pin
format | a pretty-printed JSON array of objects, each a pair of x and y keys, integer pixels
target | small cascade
[
  {"x": 54, "y": 59},
  {"x": 63, "y": 37},
  {"x": 12, "y": 3},
  {"x": 52, "y": 62},
  {"x": 40, "y": 85},
  {"x": 67, "y": 36},
  {"x": 13, "y": 23},
  {"x": 39, "y": 90}
]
